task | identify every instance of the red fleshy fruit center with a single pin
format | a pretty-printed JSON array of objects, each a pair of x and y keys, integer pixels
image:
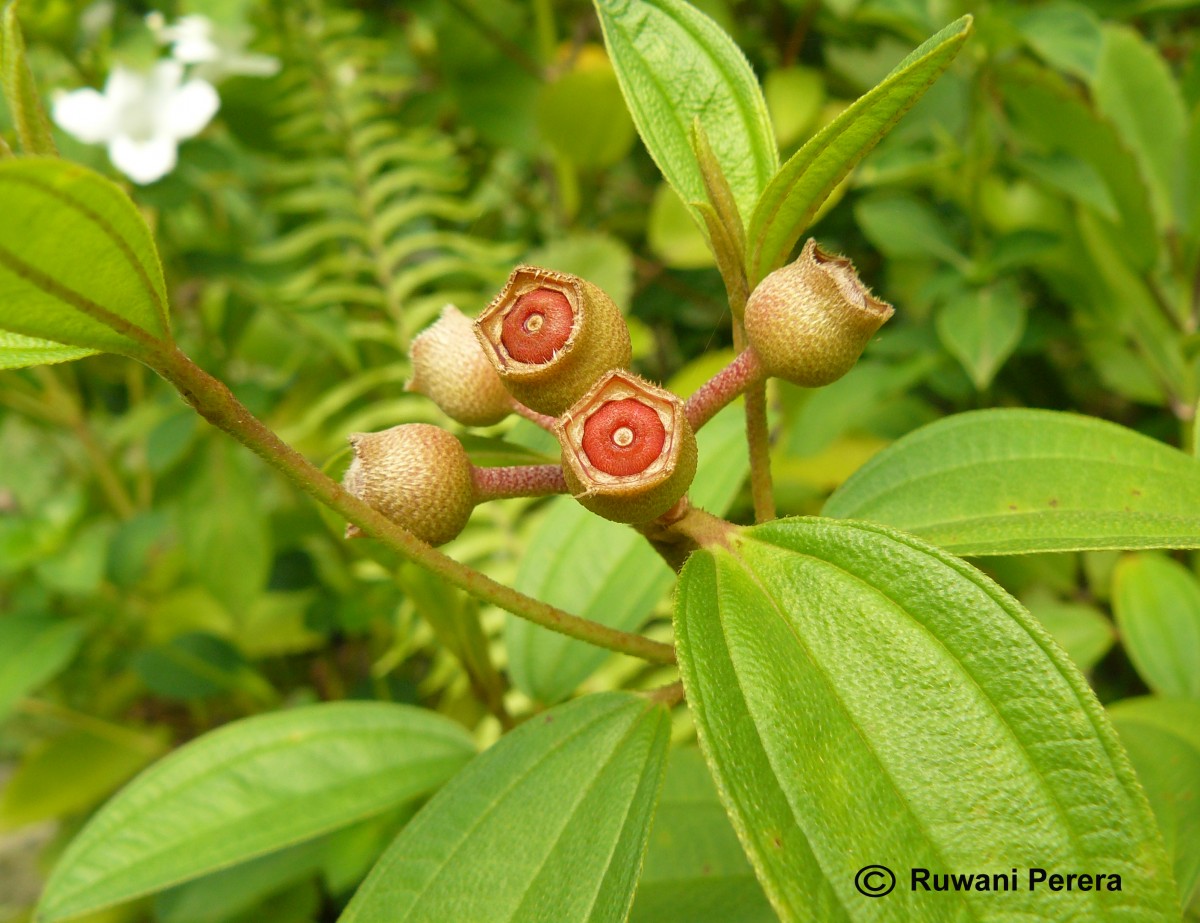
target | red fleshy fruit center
[
  {"x": 537, "y": 326},
  {"x": 623, "y": 437}
]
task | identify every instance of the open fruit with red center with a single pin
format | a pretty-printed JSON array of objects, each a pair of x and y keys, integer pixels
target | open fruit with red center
[
  {"x": 628, "y": 451},
  {"x": 550, "y": 335}
]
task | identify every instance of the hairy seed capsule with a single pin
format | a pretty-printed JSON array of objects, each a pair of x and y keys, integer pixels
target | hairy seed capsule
[
  {"x": 810, "y": 321},
  {"x": 417, "y": 475},
  {"x": 628, "y": 451},
  {"x": 550, "y": 335},
  {"x": 451, "y": 369}
]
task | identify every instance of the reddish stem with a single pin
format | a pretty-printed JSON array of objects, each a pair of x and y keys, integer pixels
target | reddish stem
[
  {"x": 517, "y": 481},
  {"x": 545, "y": 421},
  {"x": 742, "y": 373}
]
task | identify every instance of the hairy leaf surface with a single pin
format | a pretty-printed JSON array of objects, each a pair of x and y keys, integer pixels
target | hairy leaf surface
[
  {"x": 675, "y": 65},
  {"x": 797, "y": 191},
  {"x": 549, "y": 824},
  {"x": 77, "y": 263},
  {"x": 249, "y": 788},
  {"x": 1016, "y": 481},
  {"x": 865, "y": 698}
]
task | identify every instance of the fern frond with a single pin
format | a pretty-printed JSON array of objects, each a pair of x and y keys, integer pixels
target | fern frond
[{"x": 384, "y": 200}]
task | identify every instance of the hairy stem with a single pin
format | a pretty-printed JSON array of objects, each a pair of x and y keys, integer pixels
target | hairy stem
[
  {"x": 669, "y": 695},
  {"x": 517, "y": 481},
  {"x": 545, "y": 421},
  {"x": 742, "y": 373},
  {"x": 216, "y": 403},
  {"x": 757, "y": 438}
]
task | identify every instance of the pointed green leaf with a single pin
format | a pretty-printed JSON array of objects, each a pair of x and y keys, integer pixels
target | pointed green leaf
[
  {"x": 795, "y": 195},
  {"x": 1016, "y": 481},
  {"x": 606, "y": 571},
  {"x": 549, "y": 824},
  {"x": 77, "y": 263},
  {"x": 676, "y": 65},
  {"x": 1134, "y": 88},
  {"x": 20, "y": 91},
  {"x": 1163, "y": 740},
  {"x": 695, "y": 869},
  {"x": 19, "y": 352},
  {"x": 1053, "y": 115},
  {"x": 33, "y": 648},
  {"x": 250, "y": 788},
  {"x": 1157, "y": 604},
  {"x": 982, "y": 327},
  {"x": 1066, "y": 35},
  {"x": 1079, "y": 629},
  {"x": 864, "y": 698}
]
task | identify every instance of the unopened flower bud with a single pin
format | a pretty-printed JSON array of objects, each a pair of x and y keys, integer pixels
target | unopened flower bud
[
  {"x": 417, "y": 475},
  {"x": 810, "y": 321},
  {"x": 452, "y": 370},
  {"x": 550, "y": 335},
  {"x": 628, "y": 451}
]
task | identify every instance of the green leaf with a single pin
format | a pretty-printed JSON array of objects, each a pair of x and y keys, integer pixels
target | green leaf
[
  {"x": 194, "y": 666},
  {"x": 794, "y": 97},
  {"x": 981, "y": 328},
  {"x": 1016, "y": 481},
  {"x": 20, "y": 91},
  {"x": 1052, "y": 115},
  {"x": 676, "y": 65},
  {"x": 672, "y": 233},
  {"x": 1162, "y": 737},
  {"x": 796, "y": 193},
  {"x": 1072, "y": 176},
  {"x": 606, "y": 571},
  {"x": 549, "y": 824},
  {"x": 249, "y": 788},
  {"x": 865, "y": 698},
  {"x": 19, "y": 352},
  {"x": 225, "y": 529},
  {"x": 77, "y": 263},
  {"x": 695, "y": 869},
  {"x": 1065, "y": 35},
  {"x": 1080, "y": 630},
  {"x": 33, "y": 648},
  {"x": 582, "y": 114},
  {"x": 1135, "y": 89},
  {"x": 1157, "y": 604},
  {"x": 905, "y": 227},
  {"x": 71, "y": 774}
]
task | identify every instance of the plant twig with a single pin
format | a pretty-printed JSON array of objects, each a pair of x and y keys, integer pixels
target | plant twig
[
  {"x": 216, "y": 403},
  {"x": 545, "y": 421},
  {"x": 724, "y": 387},
  {"x": 668, "y": 695},
  {"x": 504, "y": 483},
  {"x": 758, "y": 438}
]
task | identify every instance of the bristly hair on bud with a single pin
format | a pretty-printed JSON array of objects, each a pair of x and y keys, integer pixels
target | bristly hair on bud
[
  {"x": 628, "y": 450},
  {"x": 452, "y": 370},
  {"x": 417, "y": 475},
  {"x": 810, "y": 321},
  {"x": 550, "y": 335}
]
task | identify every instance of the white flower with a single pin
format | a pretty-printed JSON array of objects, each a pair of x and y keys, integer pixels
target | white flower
[
  {"x": 215, "y": 53},
  {"x": 142, "y": 117}
]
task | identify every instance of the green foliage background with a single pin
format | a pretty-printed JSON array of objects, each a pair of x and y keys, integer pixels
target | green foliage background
[{"x": 1035, "y": 220}]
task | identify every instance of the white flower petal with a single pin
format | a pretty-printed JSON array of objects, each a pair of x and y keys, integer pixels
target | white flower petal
[
  {"x": 125, "y": 88},
  {"x": 166, "y": 77},
  {"x": 143, "y": 161},
  {"x": 192, "y": 107},
  {"x": 86, "y": 114}
]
